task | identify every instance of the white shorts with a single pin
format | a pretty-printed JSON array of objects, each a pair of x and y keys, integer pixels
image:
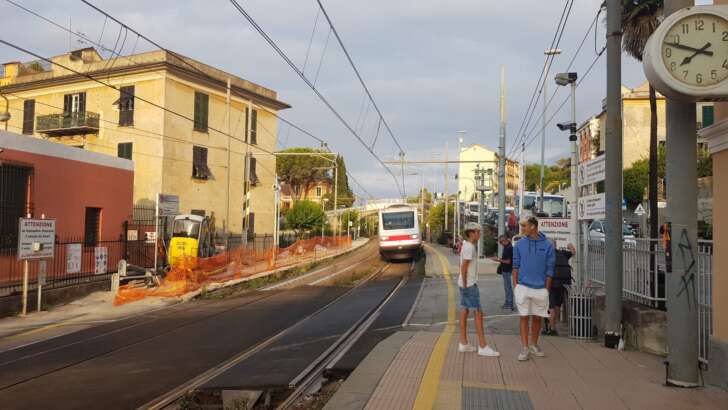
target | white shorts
[{"x": 531, "y": 302}]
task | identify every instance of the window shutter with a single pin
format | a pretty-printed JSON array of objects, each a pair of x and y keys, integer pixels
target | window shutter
[
  {"x": 124, "y": 150},
  {"x": 253, "y": 173},
  {"x": 708, "y": 117},
  {"x": 247, "y": 119},
  {"x": 82, "y": 102},
  {"x": 254, "y": 128},
  {"x": 67, "y": 103},
  {"x": 28, "y": 117},
  {"x": 201, "y": 111}
]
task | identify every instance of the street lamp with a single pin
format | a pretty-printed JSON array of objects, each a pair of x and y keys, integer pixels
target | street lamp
[
  {"x": 549, "y": 52},
  {"x": 565, "y": 79}
]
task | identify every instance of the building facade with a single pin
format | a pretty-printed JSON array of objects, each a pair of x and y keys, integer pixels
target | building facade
[
  {"x": 486, "y": 159},
  {"x": 319, "y": 191},
  {"x": 187, "y": 126}
]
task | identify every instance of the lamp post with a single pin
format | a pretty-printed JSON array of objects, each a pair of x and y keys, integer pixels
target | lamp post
[
  {"x": 457, "y": 201},
  {"x": 564, "y": 79},
  {"x": 547, "y": 53}
]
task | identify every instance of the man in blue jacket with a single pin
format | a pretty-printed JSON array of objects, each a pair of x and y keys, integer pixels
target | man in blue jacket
[{"x": 533, "y": 271}]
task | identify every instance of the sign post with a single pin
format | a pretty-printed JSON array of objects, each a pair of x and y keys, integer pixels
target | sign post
[
  {"x": 36, "y": 240},
  {"x": 167, "y": 205}
]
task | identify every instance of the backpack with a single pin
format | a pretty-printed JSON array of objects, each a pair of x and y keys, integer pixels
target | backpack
[{"x": 562, "y": 271}]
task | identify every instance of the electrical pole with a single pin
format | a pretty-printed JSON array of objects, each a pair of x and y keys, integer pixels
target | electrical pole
[
  {"x": 682, "y": 308},
  {"x": 547, "y": 53},
  {"x": 446, "y": 193},
  {"x": 613, "y": 182},
  {"x": 575, "y": 229},
  {"x": 226, "y": 225},
  {"x": 502, "y": 160},
  {"x": 522, "y": 179}
]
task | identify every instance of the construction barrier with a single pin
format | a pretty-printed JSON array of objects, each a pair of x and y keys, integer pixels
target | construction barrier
[{"x": 241, "y": 262}]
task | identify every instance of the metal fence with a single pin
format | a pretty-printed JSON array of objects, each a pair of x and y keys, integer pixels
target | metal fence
[
  {"x": 57, "y": 269},
  {"x": 643, "y": 279}
]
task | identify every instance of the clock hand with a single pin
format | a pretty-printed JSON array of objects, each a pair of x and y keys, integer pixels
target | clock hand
[
  {"x": 688, "y": 48},
  {"x": 701, "y": 50}
]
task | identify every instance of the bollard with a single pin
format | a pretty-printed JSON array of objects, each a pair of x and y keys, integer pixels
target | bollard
[{"x": 115, "y": 283}]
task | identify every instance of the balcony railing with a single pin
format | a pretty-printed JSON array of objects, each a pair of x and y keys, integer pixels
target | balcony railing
[{"x": 73, "y": 123}]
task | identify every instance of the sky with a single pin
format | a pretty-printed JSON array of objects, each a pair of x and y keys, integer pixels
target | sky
[{"x": 433, "y": 67}]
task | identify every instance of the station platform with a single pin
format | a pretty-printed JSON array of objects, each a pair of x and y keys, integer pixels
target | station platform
[{"x": 420, "y": 367}]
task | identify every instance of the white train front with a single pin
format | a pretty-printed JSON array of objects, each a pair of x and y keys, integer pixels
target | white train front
[{"x": 399, "y": 233}]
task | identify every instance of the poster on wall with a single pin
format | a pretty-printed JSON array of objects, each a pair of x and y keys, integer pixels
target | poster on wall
[
  {"x": 73, "y": 258},
  {"x": 101, "y": 257}
]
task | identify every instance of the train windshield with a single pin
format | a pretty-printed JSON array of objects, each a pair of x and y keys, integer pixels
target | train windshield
[
  {"x": 398, "y": 220},
  {"x": 529, "y": 202},
  {"x": 473, "y": 207}
]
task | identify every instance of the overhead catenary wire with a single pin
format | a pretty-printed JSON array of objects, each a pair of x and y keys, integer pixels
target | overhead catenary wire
[
  {"x": 358, "y": 74},
  {"x": 547, "y": 64},
  {"x": 326, "y": 102},
  {"x": 514, "y": 148}
]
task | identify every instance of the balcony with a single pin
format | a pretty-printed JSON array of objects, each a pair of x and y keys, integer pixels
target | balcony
[{"x": 74, "y": 123}]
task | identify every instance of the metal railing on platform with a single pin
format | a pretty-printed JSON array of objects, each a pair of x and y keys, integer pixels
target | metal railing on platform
[{"x": 643, "y": 279}]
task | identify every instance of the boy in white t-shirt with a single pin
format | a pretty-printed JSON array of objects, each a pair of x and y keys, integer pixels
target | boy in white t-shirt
[{"x": 469, "y": 293}]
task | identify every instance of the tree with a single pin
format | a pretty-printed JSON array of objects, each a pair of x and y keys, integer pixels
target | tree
[
  {"x": 345, "y": 194},
  {"x": 437, "y": 217},
  {"x": 554, "y": 176},
  {"x": 639, "y": 21},
  {"x": 346, "y": 216},
  {"x": 305, "y": 216},
  {"x": 301, "y": 171}
]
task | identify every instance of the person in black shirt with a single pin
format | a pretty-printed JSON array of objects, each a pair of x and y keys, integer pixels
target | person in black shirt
[
  {"x": 505, "y": 268},
  {"x": 562, "y": 277}
]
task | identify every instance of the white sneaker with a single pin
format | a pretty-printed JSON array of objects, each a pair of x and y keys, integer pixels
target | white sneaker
[
  {"x": 523, "y": 356},
  {"x": 536, "y": 351},
  {"x": 466, "y": 348},
  {"x": 487, "y": 351}
]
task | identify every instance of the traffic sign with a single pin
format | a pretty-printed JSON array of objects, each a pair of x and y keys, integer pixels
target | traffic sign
[
  {"x": 640, "y": 210},
  {"x": 592, "y": 171},
  {"x": 592, "y": 207},
  {"x": 36, "y": 238}
]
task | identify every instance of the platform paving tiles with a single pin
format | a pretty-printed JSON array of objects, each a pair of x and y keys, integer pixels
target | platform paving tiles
[{"x": 398, "y": 388}]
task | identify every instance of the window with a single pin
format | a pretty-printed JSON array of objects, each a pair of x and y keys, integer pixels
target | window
[
  {"x": 198, "y": 212},
  {"x": 318, "y": 191},
  {"x": 253, "y": 138},
  {"x": 28, "y": 117},
  {"x": 14, "y": 182},
  {"x": 124, "y": 150},
  {"x": 74, "y": 103},
  {"x": 201, "y": 111},
  {"x": 92, "y": 226},
  {"x": 126, "y": 106},
  {"x": 199, "y": 163}
]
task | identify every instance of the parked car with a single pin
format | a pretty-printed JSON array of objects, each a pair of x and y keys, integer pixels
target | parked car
[{"x": 598, "y": 230}]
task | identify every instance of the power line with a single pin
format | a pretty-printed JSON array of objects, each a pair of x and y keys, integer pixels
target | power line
[
  {"x": 514, "y": 148},
  {"x": 532, "y": 135},
  {"x": 92, "y": 78},
  {"x": 358, "y": 75},
  {"x": 293, "y": 66},
  {"x": 547, "y": 62}
]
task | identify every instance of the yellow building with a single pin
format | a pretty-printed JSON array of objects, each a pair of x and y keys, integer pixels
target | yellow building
[
  {"x": 183, "y": 123},
  {"x": 489, "y": 158},
  {"x": 635, "y": 125},
  {"x": 317, "y": 191}
]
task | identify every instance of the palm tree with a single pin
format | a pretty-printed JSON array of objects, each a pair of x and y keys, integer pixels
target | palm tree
[{"x": 639, "y": 21}]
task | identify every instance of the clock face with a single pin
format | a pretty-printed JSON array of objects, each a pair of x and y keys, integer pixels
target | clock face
[{"x": 695, "y": 50}]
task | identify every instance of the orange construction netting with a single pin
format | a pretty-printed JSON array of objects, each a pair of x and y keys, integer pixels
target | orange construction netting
[{"x": 237, "y": 263}]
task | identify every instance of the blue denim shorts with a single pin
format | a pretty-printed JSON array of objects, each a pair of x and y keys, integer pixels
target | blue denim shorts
[{"x": 470, "y": 297}]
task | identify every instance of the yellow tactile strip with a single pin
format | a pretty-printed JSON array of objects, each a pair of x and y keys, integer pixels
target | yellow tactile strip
[{"x": 398, "y": 388}]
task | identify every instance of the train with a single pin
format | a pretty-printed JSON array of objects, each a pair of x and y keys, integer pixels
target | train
[{"x": 400, "y": 237}]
